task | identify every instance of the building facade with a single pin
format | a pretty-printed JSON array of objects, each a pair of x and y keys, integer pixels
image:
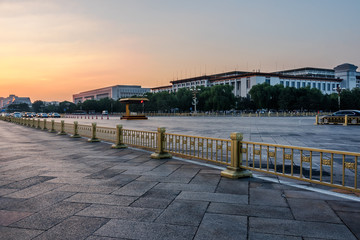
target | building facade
[
  {"x": 13, "y": 99},
  {"x": 113, "y": 92},
  {"x": 326, "y": 80}
]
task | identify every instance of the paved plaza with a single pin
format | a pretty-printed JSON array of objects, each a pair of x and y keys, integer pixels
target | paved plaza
[{"x": 56, "y": 187}]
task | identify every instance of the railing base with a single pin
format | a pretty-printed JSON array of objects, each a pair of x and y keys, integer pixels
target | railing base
[
  {"x": 61, "y": 133},
  {"x": 93, "y": 140},
  {"x": 162, "y": 155},
  {"x": 75, "y": 136},
  {"x": 119, "y": 146},
  {"x": 235, "y": 173},
  {"x": 52, "y": 131}
]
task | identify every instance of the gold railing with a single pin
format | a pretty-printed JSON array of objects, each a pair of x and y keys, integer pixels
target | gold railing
[
  {"x": 338, "y": 169},
  {"x": 145, "y": 139},
  {"x": 208, "y": 149},
  {"x": 84, "y": 130},
  {"x": 345, "y": 120},
  {"x": 105, "y": 133},
  {"x": 327, "y": 167}
]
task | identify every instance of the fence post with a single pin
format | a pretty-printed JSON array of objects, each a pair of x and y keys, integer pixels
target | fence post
[
  {"x": 235, "y": 170},
  {"x": 159, "y": 152},
  {"x": 119, "y": 138},
  {"x": 316, "y": 120},
  {"x": 346, "y": 120},
  {"x": 52, "y": 130},
  {"x": 33, "y": 123},
  {"x": 62, "y": 128},
  {"x": 76, "y": 132},
  {"x": 44, "y": 128},
  {"x": 93, "y": 137},
  {"x": 38, "y": 124}
]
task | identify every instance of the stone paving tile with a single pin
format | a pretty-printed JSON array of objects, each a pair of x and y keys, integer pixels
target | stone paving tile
[
  {"x": 220, "y": 226},
  {"x": 7, "y": 203},
  {"x": 151, "y": 203},
  {"x": 6, "y": 191},
  {"x": 227, "y": 186},
  {"x": 146, "y": 231},
  {"x": 40, "y": 201},
  {"x": 120, "y": 180},
  {"x": 267, "y": 197},
  {"x": 349, "y": 206},
  {"x": 162, "y": 170},
  {"x": 183, "y": 172},
  {"x": 106, "y": 173},
  {"x": 28, "y": 182},
  {"x": 352, "y": 221},
  {"x": 102, "y": 199},
  {"x": 73, "y": 228},
  {"x": 34, "y": 190},
  {"x": 86, "y": 189},
  {"x": 186, "y": 187},
  {"x": 251, "y": 210},
  {"x": 182, "y": 212},
  {"x": 103, "y": 238},
  {"x": 119, "y": 212},
  {"x": 310, "y": 195},
  {"x": 77, "y": 180},
  {"x": 300, "y": 228},
  {"x": 167, "y": 179},
  {"x": 264, "y": 236},
  {"x": 9, "y": 233},
  {"x": 156, "y": 198},
  {"x": 208, "y": 179},
  {"x": 9, "y": 217},
  {"x": 312, "y": 210},
  {"x": 213, "y": 197},
  {"x": 269, "y": 185},
  {"x": 51, "y": 216},
  {"x": 135, "y": 188}
]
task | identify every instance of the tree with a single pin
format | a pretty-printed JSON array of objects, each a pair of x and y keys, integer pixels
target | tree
[
  {"x": 37, "y": 106},
  {"x": 20, "y": 107}
]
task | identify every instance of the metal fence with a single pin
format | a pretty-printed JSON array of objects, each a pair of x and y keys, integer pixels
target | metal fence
[
  {"x": 337, "y": 169},
  {"x": 208, "y": 149},
  {"x": 327, "y": 167},
  {"x": 344, "y": 120}
]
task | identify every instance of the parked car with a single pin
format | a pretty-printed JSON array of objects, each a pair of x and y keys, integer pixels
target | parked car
[
  {"x": 17, "y": 115},
  {"x": 42, "y": 115},
  {"x": 105, "y": 112},
  {"x": 346, "y": 112},
  {"x": 55, "y": 115}
]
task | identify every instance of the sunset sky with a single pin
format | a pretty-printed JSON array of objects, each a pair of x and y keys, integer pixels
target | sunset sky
[{"x": 51, "y": 49}]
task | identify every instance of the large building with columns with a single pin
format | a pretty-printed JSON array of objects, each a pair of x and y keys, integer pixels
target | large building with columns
[
  {"x": 326, "y": 80},
  {"x": 113, "y": 92}
]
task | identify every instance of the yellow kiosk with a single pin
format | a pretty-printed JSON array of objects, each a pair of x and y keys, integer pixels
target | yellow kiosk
[{"x": 129, "y": 101}]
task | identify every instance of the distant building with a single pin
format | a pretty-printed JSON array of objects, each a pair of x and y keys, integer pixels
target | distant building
[
  {"x": 326, "y": 80},
  {"x": 113, "y": 92},
  {"x": 13, "y": 99},
  {"x": 55, "y": 103}
]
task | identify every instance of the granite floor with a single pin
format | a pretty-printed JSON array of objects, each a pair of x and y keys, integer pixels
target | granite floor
[{"x": 56, "y": 187}]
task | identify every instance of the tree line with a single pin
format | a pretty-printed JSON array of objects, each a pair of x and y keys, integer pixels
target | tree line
[{"x": 212, "y": 99}]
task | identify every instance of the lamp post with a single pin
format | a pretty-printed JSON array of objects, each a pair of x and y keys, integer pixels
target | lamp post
[
  {"x": 338, "y": 90},
  {"x": 195, "y": 100}
]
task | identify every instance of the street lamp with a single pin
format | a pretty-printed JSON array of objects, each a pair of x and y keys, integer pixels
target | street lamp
[
  {"x": 195, "y": 101},
  {"x": 338, "y": 89}
]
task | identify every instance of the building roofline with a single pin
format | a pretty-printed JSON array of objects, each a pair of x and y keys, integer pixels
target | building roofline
[{"x": 305, "y": 68}]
